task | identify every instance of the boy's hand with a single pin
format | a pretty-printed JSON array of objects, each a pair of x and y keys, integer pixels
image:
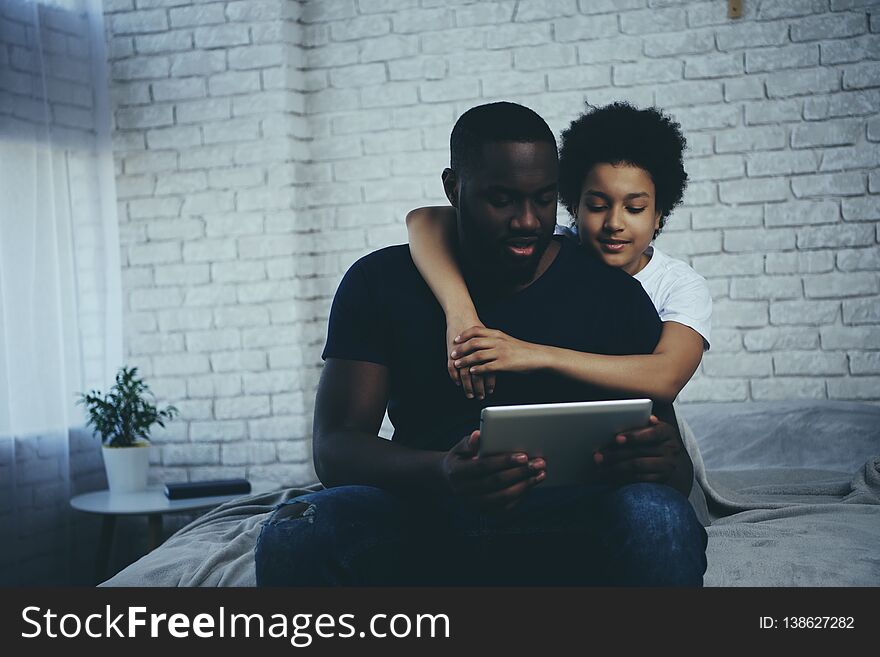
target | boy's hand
[
  {"x": 649, "y": 454},
  {"x": 474, "y": 385},
  {"x": 492, "y": 483},
  {"x": 484, "y": 351}
]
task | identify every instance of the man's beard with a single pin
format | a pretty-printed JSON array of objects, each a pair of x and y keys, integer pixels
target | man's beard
[{"x": 488, "y": 256}]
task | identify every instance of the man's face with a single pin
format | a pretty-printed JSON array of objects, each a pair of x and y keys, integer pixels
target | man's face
[{"x": 507, "y": 208}]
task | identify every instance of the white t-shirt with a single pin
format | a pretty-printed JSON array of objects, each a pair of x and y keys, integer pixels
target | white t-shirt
[{"x": 678, "y": 292}]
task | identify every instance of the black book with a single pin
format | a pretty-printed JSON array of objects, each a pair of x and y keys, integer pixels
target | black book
[{"x": 188, "y": 489}]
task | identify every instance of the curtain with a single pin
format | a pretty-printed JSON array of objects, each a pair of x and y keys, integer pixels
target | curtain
[{"x": 60, "y": 281}]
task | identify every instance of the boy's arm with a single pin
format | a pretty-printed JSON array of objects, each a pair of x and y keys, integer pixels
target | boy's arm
[
  {"x": 660, "y": 375},
  {"x": 432, "y": 243}
]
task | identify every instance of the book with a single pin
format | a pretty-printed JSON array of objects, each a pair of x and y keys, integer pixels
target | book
[{"x": 188, "y": 489}]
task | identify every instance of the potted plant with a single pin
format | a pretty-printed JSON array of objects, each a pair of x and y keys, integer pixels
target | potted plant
[{"x": 123, "y": 417}]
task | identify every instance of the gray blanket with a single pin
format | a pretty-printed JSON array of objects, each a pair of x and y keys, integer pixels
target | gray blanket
[{"x": 791, "y": 489}]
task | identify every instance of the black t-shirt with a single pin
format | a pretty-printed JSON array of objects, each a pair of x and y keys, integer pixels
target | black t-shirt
[{"x": 385, "y": 313}]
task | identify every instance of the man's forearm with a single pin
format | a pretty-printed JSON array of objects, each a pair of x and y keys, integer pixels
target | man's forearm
[{"x": 353, "y": 457}]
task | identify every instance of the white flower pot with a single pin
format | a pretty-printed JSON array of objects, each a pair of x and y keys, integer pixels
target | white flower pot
[{"x": 127, "y": 467}]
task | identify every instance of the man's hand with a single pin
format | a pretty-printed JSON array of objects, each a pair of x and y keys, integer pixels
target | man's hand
[
  {"x": 650, "y": 454},
  {"x": 492, "y": 483},
  {"x": 474, "y": 385},
  {"x": 483, "y": 351}
]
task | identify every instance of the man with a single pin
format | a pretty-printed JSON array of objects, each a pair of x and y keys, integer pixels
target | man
[{"x": 425, "y": 508}]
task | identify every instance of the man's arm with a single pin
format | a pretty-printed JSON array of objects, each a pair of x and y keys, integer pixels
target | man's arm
[
  {"x": 653, "y": 454},
  {"x": 350, "y": 404}
]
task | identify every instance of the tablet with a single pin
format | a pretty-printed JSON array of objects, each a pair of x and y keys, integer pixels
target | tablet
[{"x": 565, "y": 435}]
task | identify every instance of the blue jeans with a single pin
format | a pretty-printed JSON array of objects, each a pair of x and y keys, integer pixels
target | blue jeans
[{"x": 634, "y": 535}]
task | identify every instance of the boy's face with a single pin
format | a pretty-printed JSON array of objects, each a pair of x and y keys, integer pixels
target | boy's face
[
  {"x": 507, "y": 208},
  {"x": 617, "y": 215}
]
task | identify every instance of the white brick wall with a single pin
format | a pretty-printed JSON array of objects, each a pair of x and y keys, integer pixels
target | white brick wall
[{"x": 264, "y": 146}]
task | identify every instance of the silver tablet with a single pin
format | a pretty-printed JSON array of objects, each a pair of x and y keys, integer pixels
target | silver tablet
[{"x": 565, "y": 435}]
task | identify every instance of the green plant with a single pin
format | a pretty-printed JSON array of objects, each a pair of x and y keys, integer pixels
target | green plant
[{"x": 124, "y": 416}]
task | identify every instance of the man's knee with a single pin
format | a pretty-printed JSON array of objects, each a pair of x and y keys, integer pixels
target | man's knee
[{"x": 657, "y": 535}]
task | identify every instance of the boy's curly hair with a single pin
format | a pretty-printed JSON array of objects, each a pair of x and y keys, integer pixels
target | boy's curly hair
[{"x": 619, "y": 133}]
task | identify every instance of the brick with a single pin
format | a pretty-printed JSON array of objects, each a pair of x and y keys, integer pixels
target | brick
[
  {"x": 139, "y": 22},
  {"x": 766, "y": 287},
  {"x": 152, "y": 116},
  {"x": 177, "y": 137},
  {"x": 178, "y": 89},
  {"x": 206, "y": 156},
  {"x": 755, "y": 191},
  {"x": 774, "y": 59},
  {"x": 860, "y": 76},
  {"x": 214, "y": 340},
  {"x": 725, "y": 265},
  {"x": 865, "y": 363},
  {"x": 777, "y": 339},
  {"x": 584, "y": 28},
  {"x": 804, "y": 262},
  {"x": 847, "y": 51},
  {"x": 213, "y": 385},
  {"x": 224, "y": 431},
  {"x": 256, "y": 56},
  {"x": 751, "y": 35},
  {"x": 806, "y": 82},
  {"x": 242, "y": 407},
  {"x": 750, "y": 139},
  {"x": 246, "y": 129},
  {"x": 726, "y": 217},
  {"x": 836, "y": 285},
  {"x": 652, "y": 21},
  {"x": 799, "y": 213},
  {"x": 846, "y": 103},
  {"x": 867, "y": 259},
  {"x": 744, "y": 89},
  {"x": 866, "y": 208},
  {"x": 259, "y": 10},
  {"x": 827, "y": 133},
  {"x": 620, "y": 49},
  {"x": 175, "y": 40},
  {"x": 536, "y": 11},
  {"x": 511, "y": 36},
  {"x": 804, "y": 312},
  {"x": 824, "y": 27},
  {"x": 774, "y": 163},
  {"x": 194, "y": 409},
  {"x": 714, "y": 66},
  {"x": 688, "y": 93},
  {"x": 714, "y": 390},
  {"x": 488, "y": 13},
  {"x": 197, "y": 15},
  {"x": 501, "y": 84},
  {"x": 763, "y": 112},
  {"x": 681, "y": 43},
  {"x": 543, "y": 57},
  {"x": 153, "y": 208},
  {"x": 209, "y": 250},
  {"x": 221, "y": 36},
  {"x": 861, "y": 311},
  {"x": 719, "y": 167},
  {"x": 239, "y": 360},
  {"x": 174, "y": 229},
  {"x": 357, "y": 76},
  {"x": 184, "y": 318},
  {"x": 701, "y": 118},
  {"x": 739, "y": 314},
  {"x": 828, "y": 184},
  {"x": 863, "y": 387},
  {"x": 182, "y": 275},
  {"x": 392, "y": 46},
  {"x": 174, "y": 364},
  {"x": 234, "y": 82},
  {"x": 249, "y": 453},
  {"x": 850, "y": 337},
  {"x": 787, "y": 9},
  {"x": 835, "y": 236},
  {"x": 737, "y": 365},
  {"x": 270, "y": 382},
  {"x": 860, "y": 156},
  {"x": 810, "y": 363},
  {"x": 140, "y": 68},
  {"x": 783, "y": 389},
  {"x": 422, "y": 20},
  {"x": 199, "y": 111},
  {"x": 646, "y": 72},
  {"x": 210, "y": 295},
  {"x": 203, "y": 62}
]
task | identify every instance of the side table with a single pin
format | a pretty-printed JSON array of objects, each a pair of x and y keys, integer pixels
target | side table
[{"x": 151, "y": 503}]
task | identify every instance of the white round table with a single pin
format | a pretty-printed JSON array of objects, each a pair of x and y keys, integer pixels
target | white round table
[{"x": 151, "y": 503}]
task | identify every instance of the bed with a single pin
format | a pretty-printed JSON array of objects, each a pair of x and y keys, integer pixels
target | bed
[{"x": 790, "y": 492}]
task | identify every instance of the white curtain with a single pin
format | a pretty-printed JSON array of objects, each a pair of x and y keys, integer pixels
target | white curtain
[{"x": 60, "y": 287}]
